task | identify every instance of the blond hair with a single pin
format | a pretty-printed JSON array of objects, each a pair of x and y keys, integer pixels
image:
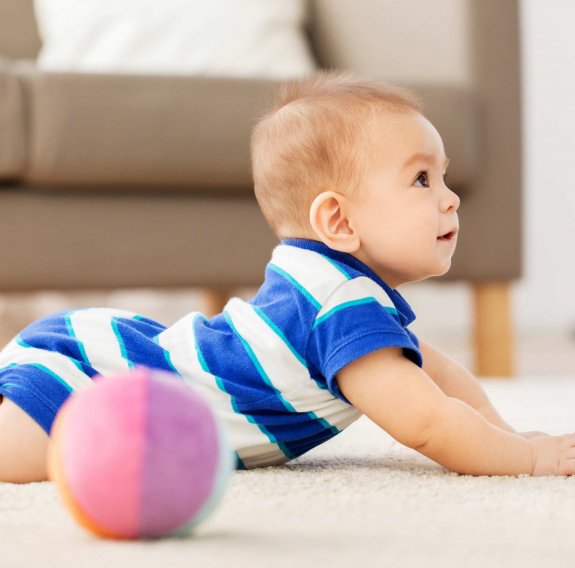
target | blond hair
[{"x": 315, "y": 139}]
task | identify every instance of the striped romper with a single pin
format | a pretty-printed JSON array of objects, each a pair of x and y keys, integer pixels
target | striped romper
[{"x": 268, "y": 366}]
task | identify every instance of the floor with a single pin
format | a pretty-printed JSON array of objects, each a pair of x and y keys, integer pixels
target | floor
[{"x": 360, "y": 500}]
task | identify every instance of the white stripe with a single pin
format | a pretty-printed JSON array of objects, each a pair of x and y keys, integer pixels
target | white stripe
[
  {"x": 353, "y": 290},
  {"x": 315, "y": 273},
  {"x": 59, "y": 364},
  {"x": 93, "y": 329},
  {"x": 283, "y": 368},
  {"x": 180, "y": 342},
  {"x": 252, "y": 445}
]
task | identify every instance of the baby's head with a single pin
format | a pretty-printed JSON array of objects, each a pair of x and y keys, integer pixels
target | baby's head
[
  {"x": 316, "y": 138},
  {"x": 344, "y": 160}
]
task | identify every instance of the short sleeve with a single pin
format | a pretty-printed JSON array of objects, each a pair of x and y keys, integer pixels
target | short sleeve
[{"x": 357, "y": 319}]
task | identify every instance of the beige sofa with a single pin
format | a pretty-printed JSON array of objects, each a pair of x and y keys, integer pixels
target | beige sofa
[{"x": 136, "y": 181}]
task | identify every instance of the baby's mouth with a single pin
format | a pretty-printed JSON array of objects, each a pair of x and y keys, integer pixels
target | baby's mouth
[{"x": 448, "y": 236}]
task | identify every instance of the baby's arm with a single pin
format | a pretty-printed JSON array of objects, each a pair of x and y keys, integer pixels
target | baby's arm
[
  {"x": 401, "y": 398},
  {"x": 456, "y": 381}
]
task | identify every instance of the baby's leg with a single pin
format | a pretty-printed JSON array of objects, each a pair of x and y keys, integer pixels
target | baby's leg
[{"x": 23, "y": 445}]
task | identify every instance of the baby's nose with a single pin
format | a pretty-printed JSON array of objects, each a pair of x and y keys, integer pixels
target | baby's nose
[
  {"x": 456, "y": 200},
  {"x": 450, "y": 201}
]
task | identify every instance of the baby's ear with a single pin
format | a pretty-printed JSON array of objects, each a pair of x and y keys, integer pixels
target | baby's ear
[{"x": 329, "y": 219}]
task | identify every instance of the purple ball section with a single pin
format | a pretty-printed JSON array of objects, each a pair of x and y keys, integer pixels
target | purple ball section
[{"x": 181, "y": 456}]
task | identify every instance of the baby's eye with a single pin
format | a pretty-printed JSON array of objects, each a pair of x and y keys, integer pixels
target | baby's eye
[{"x": 421, "y": 180}]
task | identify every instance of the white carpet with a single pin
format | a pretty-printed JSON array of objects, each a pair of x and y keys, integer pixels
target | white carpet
[{"x": 360, "y": 500}]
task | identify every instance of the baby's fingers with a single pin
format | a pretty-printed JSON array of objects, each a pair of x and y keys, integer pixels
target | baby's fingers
[{"x": 567, "y": 466}]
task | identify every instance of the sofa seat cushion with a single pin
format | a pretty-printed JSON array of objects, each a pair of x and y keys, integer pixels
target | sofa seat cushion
[{"x": 102, "y": 241}]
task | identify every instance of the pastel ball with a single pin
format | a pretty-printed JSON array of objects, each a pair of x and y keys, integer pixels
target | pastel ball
[{"x": 139, "y": 455}]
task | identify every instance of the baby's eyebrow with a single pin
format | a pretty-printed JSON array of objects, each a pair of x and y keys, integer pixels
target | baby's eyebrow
[{"x": 422, "y": 157}]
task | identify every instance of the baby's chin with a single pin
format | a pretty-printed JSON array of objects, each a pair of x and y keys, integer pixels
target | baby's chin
[
  {"x": 437, "y": 271},
  {"x": 446, "y": 269}
]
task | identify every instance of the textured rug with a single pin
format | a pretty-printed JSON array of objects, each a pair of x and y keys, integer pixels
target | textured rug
[{"x": 362, "y": 499}]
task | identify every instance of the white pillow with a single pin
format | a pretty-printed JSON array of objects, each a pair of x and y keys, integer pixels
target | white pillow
[{"x": 207, "y": 37}]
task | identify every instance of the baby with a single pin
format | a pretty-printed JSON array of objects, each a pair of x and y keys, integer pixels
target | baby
[{"x": 351, "y": 177}]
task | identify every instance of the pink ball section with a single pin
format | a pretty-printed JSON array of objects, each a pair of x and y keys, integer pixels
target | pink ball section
[{"x": 139, "y": 455}]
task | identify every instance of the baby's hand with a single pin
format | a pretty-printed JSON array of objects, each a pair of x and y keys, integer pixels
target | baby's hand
[{"x": 553, "y": 455}]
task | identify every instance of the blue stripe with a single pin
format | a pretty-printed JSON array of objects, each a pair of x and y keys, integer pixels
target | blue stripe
[
  {"x": 203, "y": 363},
  {"x": 21, "y": 342},
  {"x": 296, "y": 284},
  {"x": 219, "y": 352},
  {"x": 257, "y": 365},
  {"x": 52, "y": 333},
  {"x": 222, "y": 387},
  {"x": 271, "y": 301},
  {"x": 36, "y": 390},
  {"x": 44, "y": 369},
  {"x": 226, "y": 357},
  {"x": 310, "y": 415},
  {"x": 280, "y": 334},
  {"x": 379, "y": 328},
  {"x": 41, "y": 340},
  {"x": 53, "y": 375},
  {"x": 317, "y": 377},
  {"x": 137, "y": 339},
  {"x": 114, "y": 323},
  {"x": 309, "y": 442}
]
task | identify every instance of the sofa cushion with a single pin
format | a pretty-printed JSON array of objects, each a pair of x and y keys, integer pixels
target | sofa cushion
[
  {"x": 219, "y": 37},
  {"x": 12, "y": 124},
  {"x": 186, "y": 133},
  {"x": 130, "y": 131}
]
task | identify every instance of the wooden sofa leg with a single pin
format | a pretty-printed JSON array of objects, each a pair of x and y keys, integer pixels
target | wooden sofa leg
[
  {"x": 493, "y": 334},
  {"x": 213, "y": 301}
]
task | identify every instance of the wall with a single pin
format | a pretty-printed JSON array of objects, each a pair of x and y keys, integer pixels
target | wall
[{"x": 545, "y": 299}]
